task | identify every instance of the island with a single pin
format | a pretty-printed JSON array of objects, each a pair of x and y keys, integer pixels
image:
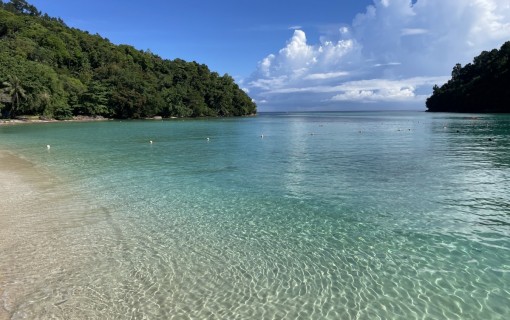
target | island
[
  {"x": 479, "y": 87},
  {"x": 53, "y": 71}
]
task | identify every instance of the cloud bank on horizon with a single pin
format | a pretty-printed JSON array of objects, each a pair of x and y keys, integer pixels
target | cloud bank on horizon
[{"x": 389, "y": 57}]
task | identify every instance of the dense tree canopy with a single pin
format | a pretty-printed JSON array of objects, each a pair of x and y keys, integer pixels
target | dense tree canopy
[
  {"x": 64, "y": 71},
  {"x": 481, "y": 86}
]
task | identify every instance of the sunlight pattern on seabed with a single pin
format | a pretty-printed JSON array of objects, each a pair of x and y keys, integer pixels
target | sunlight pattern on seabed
[{"x": 279, "y": 216}]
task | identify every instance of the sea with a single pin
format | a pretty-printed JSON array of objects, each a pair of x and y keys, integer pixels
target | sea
[{"x": 326, "y": 215}]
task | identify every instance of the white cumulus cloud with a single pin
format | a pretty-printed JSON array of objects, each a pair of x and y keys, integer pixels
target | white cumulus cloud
[
  {"x": 393, "y": 51},
  {"x": 327, "y": 75},
  {"x": 299, "y": 61},
  {"x": 413, "y": 31}
]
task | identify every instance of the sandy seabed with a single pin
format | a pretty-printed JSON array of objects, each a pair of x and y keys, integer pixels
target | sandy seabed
[
  {"x": 23, "y": 219},
  {"x": 38, "y": 217}
]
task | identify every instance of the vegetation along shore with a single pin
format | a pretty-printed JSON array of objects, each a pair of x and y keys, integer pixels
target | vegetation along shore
[
  {"x": 478, "y": 87},
  {"x": 50, "y": 70}
]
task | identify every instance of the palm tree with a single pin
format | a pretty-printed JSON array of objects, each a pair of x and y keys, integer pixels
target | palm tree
[{"x": 15, "y": 92}]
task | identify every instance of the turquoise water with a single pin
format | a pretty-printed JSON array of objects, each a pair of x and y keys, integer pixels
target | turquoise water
[{"x": 379, "y": 215}]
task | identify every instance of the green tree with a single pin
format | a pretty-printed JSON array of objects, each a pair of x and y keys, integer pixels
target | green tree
[
  {"x": 22, "y": 7},
  {"x": 15, "y": 91},
  {"x": 94, "y": 101},
  {"x": 456, "y": 72}
]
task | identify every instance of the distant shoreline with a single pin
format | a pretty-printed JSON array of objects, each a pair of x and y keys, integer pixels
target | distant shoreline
[
  {"x": 35, "y": 119},
  {"x": 31, "y": 119}
]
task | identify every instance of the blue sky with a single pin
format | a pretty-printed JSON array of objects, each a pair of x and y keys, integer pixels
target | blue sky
[{"x": 307, "y": 55}]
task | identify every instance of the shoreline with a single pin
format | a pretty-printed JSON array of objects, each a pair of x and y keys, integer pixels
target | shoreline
[
  {"x": 30, "y": 120},
  {"x": 35, "y": 119}
]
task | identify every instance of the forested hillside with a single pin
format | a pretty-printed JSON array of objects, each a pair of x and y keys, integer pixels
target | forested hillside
[
  {"x": 49, "y": 69},
  {"x": 481, "y": 86}
]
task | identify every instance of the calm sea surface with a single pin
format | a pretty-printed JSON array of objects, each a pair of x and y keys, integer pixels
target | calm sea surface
[{"x": 388, "y": 215}]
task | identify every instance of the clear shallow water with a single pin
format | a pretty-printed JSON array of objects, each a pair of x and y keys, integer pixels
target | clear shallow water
[{"x": 327, "y": 216}]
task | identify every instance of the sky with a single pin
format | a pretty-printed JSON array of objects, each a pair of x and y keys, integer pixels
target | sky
[{"x": 307, "y": 55}]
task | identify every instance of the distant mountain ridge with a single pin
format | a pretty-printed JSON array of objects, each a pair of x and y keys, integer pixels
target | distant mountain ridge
[
  {"x": 64, "y": 72},
  {"x": 479, "y": 87}
]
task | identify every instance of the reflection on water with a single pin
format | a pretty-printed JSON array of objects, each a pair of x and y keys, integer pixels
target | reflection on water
[{"x": 328, "y": 216}]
